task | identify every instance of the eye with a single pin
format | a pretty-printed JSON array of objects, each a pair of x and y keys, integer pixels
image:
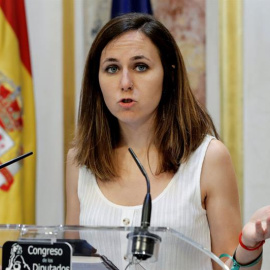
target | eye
[
  {"x": 141, "y": 67},
  {"x": 112, "y": 69}
]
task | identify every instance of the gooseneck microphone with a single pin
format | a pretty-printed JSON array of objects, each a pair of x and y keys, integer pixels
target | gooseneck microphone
[
  {"x": 147, "y": 204},
  {"x": 144, "y": 244},
  {"x": 15, "y": 160}
]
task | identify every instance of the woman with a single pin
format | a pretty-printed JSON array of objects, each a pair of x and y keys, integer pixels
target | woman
[{"x": 136, "y": 94}]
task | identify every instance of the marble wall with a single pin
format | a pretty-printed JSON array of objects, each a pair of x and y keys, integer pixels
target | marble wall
[{"x": 186, "y": 21}]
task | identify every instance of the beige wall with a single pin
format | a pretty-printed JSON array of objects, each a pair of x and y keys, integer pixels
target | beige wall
[
  {"x": 44, "y": 20},
  {"x": 257, "y": 109}
]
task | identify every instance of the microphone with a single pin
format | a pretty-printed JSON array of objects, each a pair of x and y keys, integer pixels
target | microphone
[
  {"x": 144, "y": 244},
  {"x": 15, "y": 160},
  {"x": 147, "y": 204}
]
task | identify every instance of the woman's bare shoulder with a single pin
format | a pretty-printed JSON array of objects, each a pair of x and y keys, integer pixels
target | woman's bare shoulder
[
  {"x": 218, "y": 169},
  {"x": 72, "y": 200},
  {"x": 71, "y": 154},
  {"x": 216, "y": 161},
  {"x": 72, "y": 168},
  {"x": 217, "y": 151},
  {"x": 217, "y": 158}
]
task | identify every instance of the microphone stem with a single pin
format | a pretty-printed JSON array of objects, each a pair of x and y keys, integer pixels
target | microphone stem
[
  {"x": 15, "y": 160},
  {"x": 146, "y": 211},
  {"x": 147, "y": 204},
  {"x": 141, "y": 169}
]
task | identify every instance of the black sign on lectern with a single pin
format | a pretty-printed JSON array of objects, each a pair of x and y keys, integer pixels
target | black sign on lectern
[{"x": 36, "y": 256}]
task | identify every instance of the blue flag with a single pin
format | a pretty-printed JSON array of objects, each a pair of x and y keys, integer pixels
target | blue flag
[{"x": 125, "y": 6}]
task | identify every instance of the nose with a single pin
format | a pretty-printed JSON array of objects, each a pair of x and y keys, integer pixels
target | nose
[{"x": 126, "y": 81}]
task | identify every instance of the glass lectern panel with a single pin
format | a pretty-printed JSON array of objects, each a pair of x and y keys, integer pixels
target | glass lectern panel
[{"x": 124, "y": 248}]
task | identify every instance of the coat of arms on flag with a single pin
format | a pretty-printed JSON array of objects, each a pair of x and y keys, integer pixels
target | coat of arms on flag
[{"x": 10, "y": 120}]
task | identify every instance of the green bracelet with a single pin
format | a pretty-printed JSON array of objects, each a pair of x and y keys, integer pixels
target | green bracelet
[{"x": 237, "y": 265}]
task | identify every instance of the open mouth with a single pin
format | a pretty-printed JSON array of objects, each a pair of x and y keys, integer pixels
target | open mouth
[{"x": 127, "y": 100}]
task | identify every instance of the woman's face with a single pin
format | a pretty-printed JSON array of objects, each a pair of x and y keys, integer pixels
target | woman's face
[{"x": 131, "y": 78}]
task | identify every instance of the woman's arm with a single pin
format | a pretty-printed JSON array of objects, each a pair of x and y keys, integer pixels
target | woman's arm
[
  {"x": 220, "y": 198},
  {"x": 72, "y": 200},
  {"x": 219, "y": 188}
]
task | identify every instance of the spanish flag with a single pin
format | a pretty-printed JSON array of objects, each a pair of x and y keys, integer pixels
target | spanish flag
[{"x": 17, "y": 117}]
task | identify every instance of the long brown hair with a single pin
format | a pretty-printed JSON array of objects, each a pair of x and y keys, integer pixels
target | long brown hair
[{"x": 181, "y": 122}]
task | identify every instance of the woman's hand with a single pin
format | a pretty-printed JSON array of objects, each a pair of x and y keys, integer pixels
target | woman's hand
[{"x": 258, "y": 228}]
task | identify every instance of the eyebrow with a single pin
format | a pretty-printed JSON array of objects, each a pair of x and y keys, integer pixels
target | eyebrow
[
  {"x": 136, "y": 57},
  {"x": 110, "y": 60}
]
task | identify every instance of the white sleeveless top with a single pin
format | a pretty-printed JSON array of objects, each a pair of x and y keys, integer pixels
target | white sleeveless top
[{"x": 178, "y": 207}]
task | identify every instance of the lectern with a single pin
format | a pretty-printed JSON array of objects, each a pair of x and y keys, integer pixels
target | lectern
[{"x": 100, "y": 248}]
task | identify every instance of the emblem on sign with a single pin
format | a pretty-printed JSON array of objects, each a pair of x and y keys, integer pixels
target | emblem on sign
[{"x": 36, "y": 256}]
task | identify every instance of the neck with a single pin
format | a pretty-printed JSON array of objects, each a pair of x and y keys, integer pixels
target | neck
[{"x": 138, "y": 138}]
